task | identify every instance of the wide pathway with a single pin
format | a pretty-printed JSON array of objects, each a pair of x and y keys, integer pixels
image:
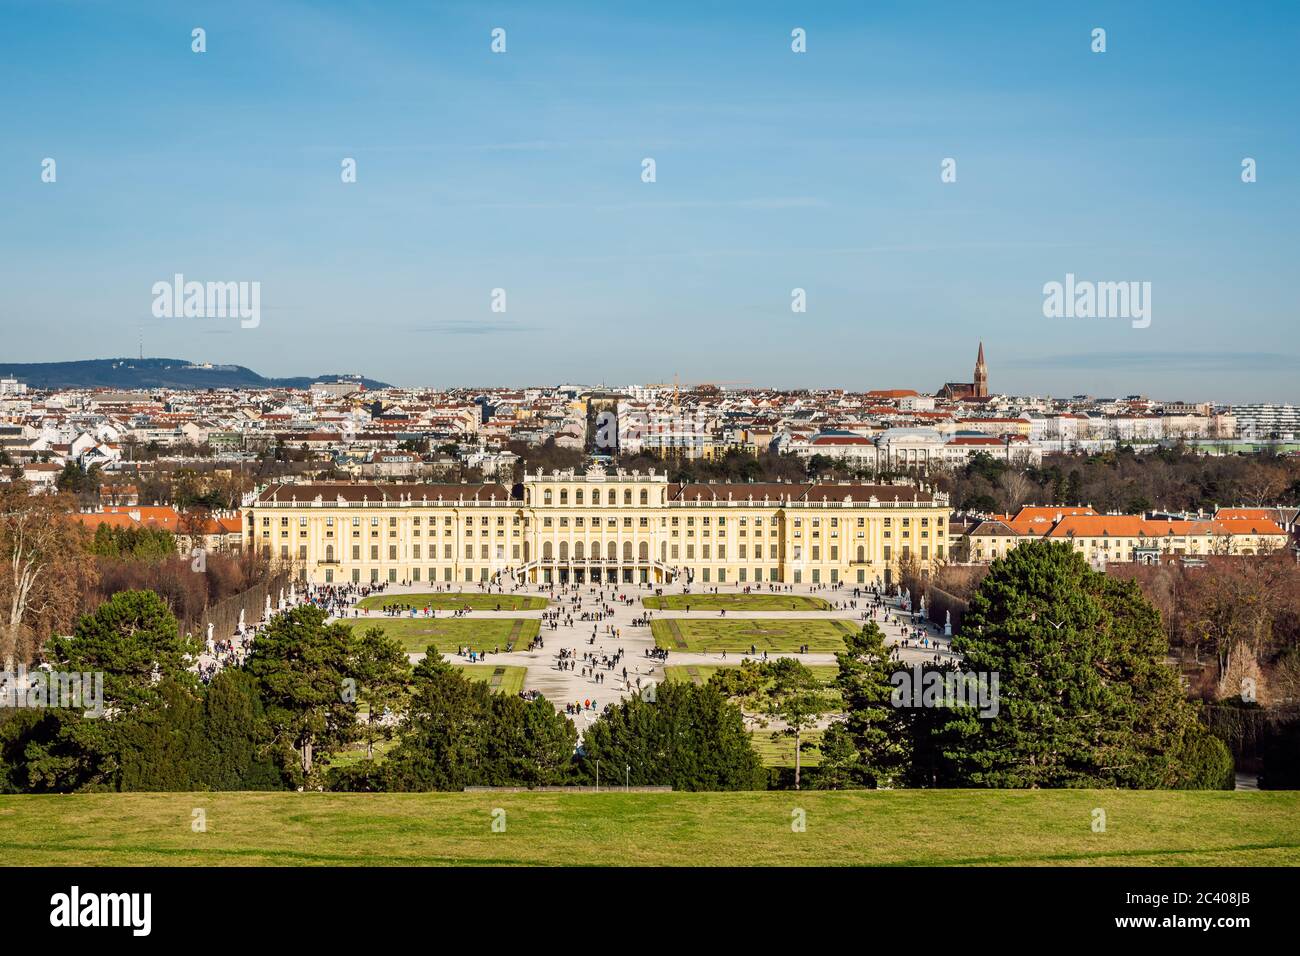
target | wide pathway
[{"x": 618, "y": 632}]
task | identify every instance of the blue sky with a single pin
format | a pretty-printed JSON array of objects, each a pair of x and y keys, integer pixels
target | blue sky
[{"x": 775, "y": 170}]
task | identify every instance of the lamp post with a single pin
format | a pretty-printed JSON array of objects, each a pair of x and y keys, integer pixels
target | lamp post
[
  {"x": 627, "y": 777},
  {"x": 598, "y": 775}
]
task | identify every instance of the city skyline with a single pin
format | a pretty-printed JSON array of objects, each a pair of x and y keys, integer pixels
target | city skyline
[
  {"x": 775, "y": 171},
  {"x": 13, "y": 374}
]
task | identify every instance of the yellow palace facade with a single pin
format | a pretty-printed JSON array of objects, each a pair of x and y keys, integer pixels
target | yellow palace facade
[{"x": 624, "y": 527}]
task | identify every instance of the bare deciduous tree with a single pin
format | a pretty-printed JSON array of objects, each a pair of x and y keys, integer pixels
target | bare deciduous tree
[{"x": 46, "y": 567}]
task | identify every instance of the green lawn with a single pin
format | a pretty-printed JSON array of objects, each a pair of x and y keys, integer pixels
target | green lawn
[
  {"x": 456, "y": 601},
  {"x": 502, "y": 678},
  {"x": 736, "y": 602},
  {"x": 349, "y": 758},
  {"x": 917, "y": 827},
  {"x": 714, "y": 635},
  {"x": 450, "y": 633},
  {"x": 780, "y": 752}
]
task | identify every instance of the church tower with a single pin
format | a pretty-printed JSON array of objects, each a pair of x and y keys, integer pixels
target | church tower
[{"x": 981, "y": 375}]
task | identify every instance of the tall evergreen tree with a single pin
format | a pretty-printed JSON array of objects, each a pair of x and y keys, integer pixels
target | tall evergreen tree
[
  {"x": 689, "y": 737},
  {"x": 381, "y": 669},
  {"x": 134, "y": 640},
  {"x": 301, "y": 665},
  {"x": 871, "y": 747},
  {"x": 783, "y": 690},
  {"x": 457, "y": 734},
  {"x": 443, "y": 740},
  {"x": 1086, "y": 697}
]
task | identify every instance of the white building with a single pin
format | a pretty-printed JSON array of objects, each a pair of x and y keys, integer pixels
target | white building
[{"x": 1268, "y": 421}]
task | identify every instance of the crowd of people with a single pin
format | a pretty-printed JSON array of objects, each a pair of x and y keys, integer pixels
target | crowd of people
[{"x": 572, "y": 605}]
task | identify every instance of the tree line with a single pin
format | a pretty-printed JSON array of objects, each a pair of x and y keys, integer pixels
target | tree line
[
  {"x": 1084, "y": 698},
  {"x": 1173, "y": 478}
]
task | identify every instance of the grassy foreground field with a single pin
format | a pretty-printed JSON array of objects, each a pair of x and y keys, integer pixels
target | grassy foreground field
[
  {"x": 736, "y": 602},
  {"x": 780, "y": 635},
  {"x": 449, "y": 633},
  {"x": 1045, "y": 827},
  {"x": 456, "y": 601}
]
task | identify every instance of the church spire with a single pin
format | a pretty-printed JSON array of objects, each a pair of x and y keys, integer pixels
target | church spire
[{"x": 981, "y": 383}]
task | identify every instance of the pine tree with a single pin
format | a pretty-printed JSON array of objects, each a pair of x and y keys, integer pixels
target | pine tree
[
  {"x": 134, "y": 640},
  {"x": 878, "y": 732},
  {"x": 689, "y": 737},
  {"x": 381, "y": 669},
  {"x": 1086, "y": 697},
  {"x": 301, "y": 665}
]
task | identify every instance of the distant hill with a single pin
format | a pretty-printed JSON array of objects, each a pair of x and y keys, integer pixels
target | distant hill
[{"x": 129, "y": 373}]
